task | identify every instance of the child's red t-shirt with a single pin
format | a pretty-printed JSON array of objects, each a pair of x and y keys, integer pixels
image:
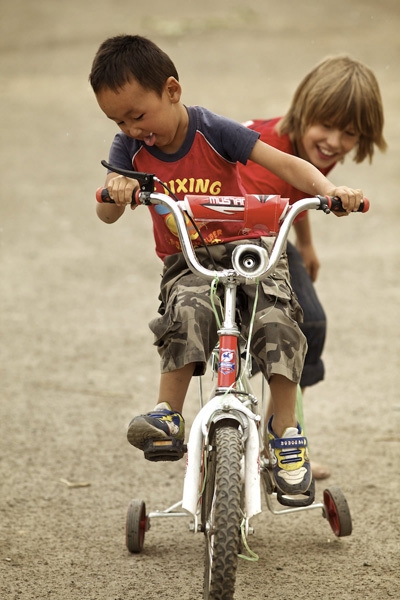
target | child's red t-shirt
[
  {"x": 206, "y": 164},
  {"x": 258, "y": 180}
]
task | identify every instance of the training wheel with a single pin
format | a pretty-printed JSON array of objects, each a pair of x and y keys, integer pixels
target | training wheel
[
  {"x": 337, "y": 511},
  {"x": 137, "y": 523}
]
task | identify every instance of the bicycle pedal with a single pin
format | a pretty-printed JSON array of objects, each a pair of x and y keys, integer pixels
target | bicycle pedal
[
  {"x": 169, "y": 449},
  {"x": 305, "y": 499}
]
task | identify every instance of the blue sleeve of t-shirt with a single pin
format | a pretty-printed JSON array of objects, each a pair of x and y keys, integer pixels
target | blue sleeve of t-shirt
[
  {"x": 122, "y": 151},
  {"x": 232, "y": 140}
]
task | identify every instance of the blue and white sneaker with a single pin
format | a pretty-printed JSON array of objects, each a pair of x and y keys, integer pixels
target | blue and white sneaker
[
  {"x": 289, "y": 460},
  {"x": 159, "y": 433}
]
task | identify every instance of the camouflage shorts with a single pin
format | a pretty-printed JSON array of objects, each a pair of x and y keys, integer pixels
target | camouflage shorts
[{"x": 186, "y": 330}]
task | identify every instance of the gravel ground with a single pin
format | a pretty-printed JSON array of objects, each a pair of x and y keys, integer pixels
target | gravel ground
[{"x": 77, "y": 360}]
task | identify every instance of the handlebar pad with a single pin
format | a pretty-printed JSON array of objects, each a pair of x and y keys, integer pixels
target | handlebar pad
[{"x": 335, "y": 205}]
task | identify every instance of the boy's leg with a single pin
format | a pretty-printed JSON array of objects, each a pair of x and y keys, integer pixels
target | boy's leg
[
  {"x": 185, "y": 333},
  {"x": 279, "y": 347},
  {"x": 164, "y": 423},
  {"x": 287, "y": 446},
  {"x": 313, "y": 327},
  {"x": 283, "y": 400},
  {"x": 174, "y": 386},
  {"x": 319, "y": 471}
]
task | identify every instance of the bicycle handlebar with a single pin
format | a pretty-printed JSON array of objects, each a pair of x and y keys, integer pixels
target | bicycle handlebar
[
  {"x": 284, "y": 220},
  {"x": 333, "y": 203}
]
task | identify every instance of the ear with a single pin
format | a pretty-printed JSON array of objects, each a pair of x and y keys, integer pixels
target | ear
[{"x": 173, "y": 90}]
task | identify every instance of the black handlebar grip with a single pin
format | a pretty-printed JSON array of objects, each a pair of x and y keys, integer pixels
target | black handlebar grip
[
  {"x": 335, "y": 205},
  {"x": 103, "y": 196}
]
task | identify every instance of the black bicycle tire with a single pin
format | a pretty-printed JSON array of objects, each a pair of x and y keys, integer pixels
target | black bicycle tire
[{"x": 221, "y": 512}]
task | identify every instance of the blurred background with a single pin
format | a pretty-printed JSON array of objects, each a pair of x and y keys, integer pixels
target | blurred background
[{"x": 76, "y": 355}]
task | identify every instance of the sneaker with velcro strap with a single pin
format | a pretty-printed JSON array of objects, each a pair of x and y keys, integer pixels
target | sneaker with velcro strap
[
  {"x": 159, "y": 433},
  {"x": 289, "y": 460}
]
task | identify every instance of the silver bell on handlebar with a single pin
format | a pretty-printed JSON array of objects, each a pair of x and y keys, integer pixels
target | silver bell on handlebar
[{"x": 250, "y": 260}]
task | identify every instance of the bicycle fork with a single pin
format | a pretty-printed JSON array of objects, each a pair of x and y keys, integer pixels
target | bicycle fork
[{"x": 218, "y": 409}]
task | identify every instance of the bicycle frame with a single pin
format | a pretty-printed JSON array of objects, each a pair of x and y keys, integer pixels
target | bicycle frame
[
  {"x": 229, "y": 402},
  {"x": 225, "y": 460},
  {"x": 226, "y": 464}
]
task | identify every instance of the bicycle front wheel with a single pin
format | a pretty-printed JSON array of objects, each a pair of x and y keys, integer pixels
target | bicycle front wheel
[{"x": 221, "y": 511}]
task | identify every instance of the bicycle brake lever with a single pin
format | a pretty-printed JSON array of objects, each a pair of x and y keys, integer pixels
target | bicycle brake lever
[{"x": 146, "y": 180}]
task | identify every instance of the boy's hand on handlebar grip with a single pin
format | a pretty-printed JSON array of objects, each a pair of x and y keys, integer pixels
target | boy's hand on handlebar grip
[
  {"x": 121, "y": 191},
  {"x": 350, "y": 199}
]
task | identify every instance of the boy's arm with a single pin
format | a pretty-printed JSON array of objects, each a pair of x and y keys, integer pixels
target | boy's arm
[
  {"x": 302, "y": 175},
  {"x": 120, "y": 190},
  {"x": 305, "y": 246}
]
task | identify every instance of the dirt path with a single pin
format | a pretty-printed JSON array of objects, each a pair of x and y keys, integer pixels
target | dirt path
[{"x": 76, "y": 355}]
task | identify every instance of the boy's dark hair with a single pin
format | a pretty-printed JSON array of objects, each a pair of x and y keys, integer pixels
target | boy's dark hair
[{"x": 125, "y": 57}]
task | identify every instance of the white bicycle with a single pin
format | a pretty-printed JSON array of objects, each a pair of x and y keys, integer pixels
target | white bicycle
[{"x": 226, "y": 465}]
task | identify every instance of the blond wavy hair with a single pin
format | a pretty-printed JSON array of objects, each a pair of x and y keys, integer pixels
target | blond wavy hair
[{"x": 341, "y": 92}]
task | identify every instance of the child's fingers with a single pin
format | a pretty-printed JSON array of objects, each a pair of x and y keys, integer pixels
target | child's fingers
[
  {"x": 121, "y": 189},
  {"x": 351, "y": 199}
]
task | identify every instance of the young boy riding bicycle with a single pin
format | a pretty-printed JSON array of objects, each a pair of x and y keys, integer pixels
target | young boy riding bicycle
[{"x": 193, "y": 150}]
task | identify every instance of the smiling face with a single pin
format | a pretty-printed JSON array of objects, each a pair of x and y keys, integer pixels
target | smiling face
[
  {"x": 325, "y": 145},
  {"x": 156, "y": 120}
]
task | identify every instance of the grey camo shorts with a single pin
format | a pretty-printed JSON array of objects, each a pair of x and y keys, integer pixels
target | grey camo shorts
[{"x": 186, "y": 330}]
